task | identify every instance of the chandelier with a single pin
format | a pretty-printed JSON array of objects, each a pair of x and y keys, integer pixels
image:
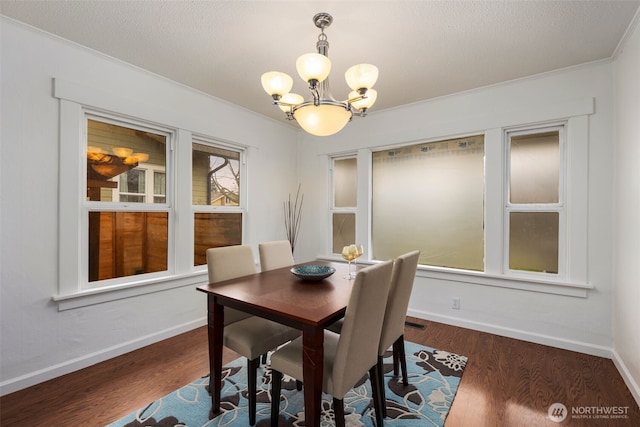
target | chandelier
[{"x": 322, "y": 115}]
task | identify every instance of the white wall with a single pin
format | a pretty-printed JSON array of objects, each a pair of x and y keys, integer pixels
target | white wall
[
  {"x": 576, "y": 323},
  {"x": 37, "y": 341},
  {"x": 626, "y": 315}
]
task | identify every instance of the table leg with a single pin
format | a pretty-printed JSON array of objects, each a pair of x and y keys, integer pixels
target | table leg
[
  {"x": 312, "y": 365},
  {"x": 215, "y": 321}
]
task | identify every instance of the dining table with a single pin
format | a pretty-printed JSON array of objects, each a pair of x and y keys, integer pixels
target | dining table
[{"x": 282, "y": 297}]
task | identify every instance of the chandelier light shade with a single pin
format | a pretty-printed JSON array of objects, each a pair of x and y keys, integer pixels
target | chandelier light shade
[
  {"x": 290, "y": 99},
  {"x": 321, "y": 114},
  {"x": 361, "y": 77},
  {"x": 313, "y": 67},
  {"x": 277, "y": 84},
  {"x": 323, "y": 119}
]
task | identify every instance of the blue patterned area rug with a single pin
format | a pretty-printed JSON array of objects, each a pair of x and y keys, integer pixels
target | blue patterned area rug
[{"x": 434, "y": 377}]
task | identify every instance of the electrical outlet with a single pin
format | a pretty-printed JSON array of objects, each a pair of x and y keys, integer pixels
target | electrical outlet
[{"x": 455, "y": 303}]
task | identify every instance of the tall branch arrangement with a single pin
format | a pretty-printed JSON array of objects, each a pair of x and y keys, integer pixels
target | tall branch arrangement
[{"x": 292, "y": 216}]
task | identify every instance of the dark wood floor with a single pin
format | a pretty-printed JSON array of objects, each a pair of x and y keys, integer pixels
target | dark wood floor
[{"x": 506, "y": 383}]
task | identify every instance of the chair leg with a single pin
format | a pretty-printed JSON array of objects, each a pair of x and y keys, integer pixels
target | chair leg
[
  {"x": 264, "y": 359},
  {"x": 252, "y": 374},
  {"x": 383, "y": 398},
  {"x": 374, "y": 377},
  {"x": 338, "y": 412},
  {"x": 399, "y": 348},
  {"x": 276, "y": 386},
  {"x": 396, "y": 370}
]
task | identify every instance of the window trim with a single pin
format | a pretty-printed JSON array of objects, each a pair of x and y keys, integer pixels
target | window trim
[{"x": 575, "y": 115}]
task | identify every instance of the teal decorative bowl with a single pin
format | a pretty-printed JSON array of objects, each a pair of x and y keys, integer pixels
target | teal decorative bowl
[{"x": 312, "y": 273}]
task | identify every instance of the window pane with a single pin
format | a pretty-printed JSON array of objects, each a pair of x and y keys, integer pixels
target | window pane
[
  {"x": 114, "y": 151},
  {"x": 344, "y": 231},
  {"x": 533, "y": 241},
  {"x": 534, "y": 174},
  {"x": 215, "y": 176},
  {"x": 345, "y": 183},
  {"x": 159, "y": 187},
  {"x": 159, "y": 183},
  {"x": 127, "y": 243},
  {"x": 430, "y": 197},
  {"x": 213, "y": 230},
  {"x": 132, "y": 182}
]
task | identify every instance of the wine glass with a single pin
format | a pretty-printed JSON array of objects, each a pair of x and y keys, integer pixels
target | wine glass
[
  {"x": 349, "y": 253},
  {"x": 359, "y": 251}
]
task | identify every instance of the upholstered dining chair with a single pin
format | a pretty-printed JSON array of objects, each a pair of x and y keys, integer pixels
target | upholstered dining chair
[
  {"x": 249, "y": 336},
  {"x": 276, "y": 254},
  {"x": 347, "y": 356},
  {"x": 404, "y": 273}
]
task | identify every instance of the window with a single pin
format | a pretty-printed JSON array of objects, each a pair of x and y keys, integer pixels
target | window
[
  {"x": 128, "y": 227},
  {"x": 216, "y": 195},
  {"x": 133, "y": 201},
  {"x": 503, "y": 207},
  {"x": 535, "y": 207},
  {"x": 142, "y": 184},
  {"x": 344, "y": 202},
  {"x": 430, "y": 196}
]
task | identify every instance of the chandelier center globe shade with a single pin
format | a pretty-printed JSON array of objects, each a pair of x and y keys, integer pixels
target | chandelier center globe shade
[{"x": 322, "y": 120}]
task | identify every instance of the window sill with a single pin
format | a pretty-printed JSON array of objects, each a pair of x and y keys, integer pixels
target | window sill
[
  {"x": 532, "y": 284},
  {"x": 87, "y": 297}
]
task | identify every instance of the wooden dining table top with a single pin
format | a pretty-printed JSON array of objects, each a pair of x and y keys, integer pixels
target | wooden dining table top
[{"x": 280, "y": 296}]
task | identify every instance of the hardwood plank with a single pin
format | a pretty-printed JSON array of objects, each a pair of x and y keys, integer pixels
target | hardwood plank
[{"x": 507, "y": 382}]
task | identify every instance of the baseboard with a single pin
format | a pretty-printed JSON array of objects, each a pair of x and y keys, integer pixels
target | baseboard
[
  {"x": 580, "y": 347},
  {"x": 633, "y": 386},
  {"x": 37, "y": 377}
]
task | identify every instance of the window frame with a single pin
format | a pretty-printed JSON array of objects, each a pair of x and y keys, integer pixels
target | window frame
[
  {"x": 87, "y": 206},
  {"x": 438, "y": 140},
  {"x": 241, "y": 208},
  {"x": 345, "y": 209},
  {"x": 149, "y": 194},
  {"x": 558, "y": 207}
]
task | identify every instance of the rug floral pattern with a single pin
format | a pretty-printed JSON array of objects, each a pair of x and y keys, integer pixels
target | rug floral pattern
[{"x": 434, "y": 376}]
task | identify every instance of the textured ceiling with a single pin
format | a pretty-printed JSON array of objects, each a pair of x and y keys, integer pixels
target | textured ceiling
[{"x": 423, "y": 49}]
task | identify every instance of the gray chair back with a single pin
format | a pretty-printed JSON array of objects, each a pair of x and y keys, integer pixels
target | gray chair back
[
  {"x": 229, "y": 262},
  {"x": 276, "y": 254},
  {"x": 357, "y": 349},
  {"x": 404, "y": 273}
]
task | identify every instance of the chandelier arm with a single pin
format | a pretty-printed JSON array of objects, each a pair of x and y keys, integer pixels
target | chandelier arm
[
  {"x": 332, "y": 102},
  {"x": 357, "y": 98},
  {"x": 316, "y": 95}
]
